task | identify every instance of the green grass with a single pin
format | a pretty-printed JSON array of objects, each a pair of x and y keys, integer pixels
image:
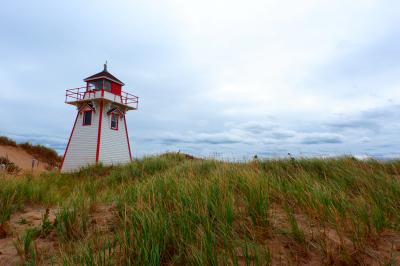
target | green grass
[
  {"x": 26, "y": 248},
  {"x": 171, "y": 209}
]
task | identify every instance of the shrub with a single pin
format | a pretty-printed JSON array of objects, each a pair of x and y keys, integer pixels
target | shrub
[
  {"x": 42, "y": 153},
  {"x": 9, "y": 166},
  {"x": 7, "y": 141}
]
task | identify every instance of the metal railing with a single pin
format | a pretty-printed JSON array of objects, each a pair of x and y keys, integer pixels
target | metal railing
[
  {"x": 79, "y": 94},
  {"x": 75, "y": 94}
]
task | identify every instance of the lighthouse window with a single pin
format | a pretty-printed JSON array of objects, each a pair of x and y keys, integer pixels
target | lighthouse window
[
  {"x": 87, "y": 118},
  {"x": 114, "y": 121},
  {"x": 96, "y": 85},
  {"x": 107, "y": 85}
]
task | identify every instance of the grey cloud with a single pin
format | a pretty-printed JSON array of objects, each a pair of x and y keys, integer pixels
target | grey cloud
[
  {"x": 386, "y": 112},
  {"x": 256, "y": 127},
  {"x": 373, "y": 120},
  {"x": 155, "y": 59},
  {"x": 282, "y": 134},
  {"x": 363, "y": 67},
  {"x": 198, "y": 138},
  {"x": 322, "y": 138},
  {"x": 57, "y": 143},
  {"x": 355, "y": 124},
  {"x": 248, "y": 133},
  {"x": 243, "y": 134},
  {"x": 265, "y": 130}
]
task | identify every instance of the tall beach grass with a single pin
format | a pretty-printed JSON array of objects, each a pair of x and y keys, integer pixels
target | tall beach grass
[{"x": 177, "y": 210}]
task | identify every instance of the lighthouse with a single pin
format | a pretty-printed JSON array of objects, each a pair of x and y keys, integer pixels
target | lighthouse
[{"x": 99, "y": 133}]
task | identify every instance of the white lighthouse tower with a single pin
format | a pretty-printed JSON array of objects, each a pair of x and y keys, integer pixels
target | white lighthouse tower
[{"x": 99, "y": 133}]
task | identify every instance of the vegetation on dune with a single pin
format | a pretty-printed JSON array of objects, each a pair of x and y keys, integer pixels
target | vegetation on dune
[
  {"x": 42, "y": 153},
  {"x": 8, "y": 166},
  {"x": 39, "y": 152},
  {"x": 7, "y": 141},
  {"x": 174, "y": 209}
]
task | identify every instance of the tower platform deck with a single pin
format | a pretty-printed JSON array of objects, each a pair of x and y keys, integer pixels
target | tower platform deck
[{"x": 80, "y": 95}]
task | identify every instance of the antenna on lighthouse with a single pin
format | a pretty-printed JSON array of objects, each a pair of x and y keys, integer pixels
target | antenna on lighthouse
[{"x": 105, "y": 66}]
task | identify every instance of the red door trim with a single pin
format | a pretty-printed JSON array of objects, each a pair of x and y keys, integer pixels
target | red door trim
[
  {"x": 69, "y": 140},
  {"x": 127, "y": 138},
  {"x": 99, "y": 132}
]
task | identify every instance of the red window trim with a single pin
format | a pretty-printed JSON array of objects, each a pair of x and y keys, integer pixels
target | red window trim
[
  {"x": 112, "y": 116},
  {"x": 83, "y": 118}
]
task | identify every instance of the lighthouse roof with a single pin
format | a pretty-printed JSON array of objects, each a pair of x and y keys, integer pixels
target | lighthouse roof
[{"x": 104, "y": 74}]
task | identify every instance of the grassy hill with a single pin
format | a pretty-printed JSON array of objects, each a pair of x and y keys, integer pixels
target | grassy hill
[{"x": 176, "y": 210}]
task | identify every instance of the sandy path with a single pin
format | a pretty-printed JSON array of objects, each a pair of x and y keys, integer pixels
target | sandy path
[
  {"x": 30, "y": 217},
  {"x": 101, "y": 219}
]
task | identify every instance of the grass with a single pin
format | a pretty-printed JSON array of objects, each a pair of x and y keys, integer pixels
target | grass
[
  {"x": 72, "y": 222},
  {"x": 26, "y": 248},
  {"x": 175, "y": 209}
]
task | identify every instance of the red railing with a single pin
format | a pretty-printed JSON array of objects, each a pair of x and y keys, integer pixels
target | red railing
[
  {"x": 78, "y": 94},
  {"x": 75, "y": 94},
  {"x": 129, "y": 99}
]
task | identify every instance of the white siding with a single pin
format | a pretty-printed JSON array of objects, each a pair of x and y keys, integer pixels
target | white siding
[
  {"x": 114, "y": 145},
  {"x": 107, "y": 95},
  {"x": 83, "y": 144},
  {"x": 112, "y": 97}
]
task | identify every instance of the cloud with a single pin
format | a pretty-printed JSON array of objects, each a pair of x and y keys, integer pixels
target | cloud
[
  {"x": 356, "y": 124},
  {"x": 373, "y": 120},
  {"x": 219, "y": 138},
  {"x": 56, "y": 142},
  {"x": 256, "y": 127},
  {"x": 237, "y": 78},
  {"x": 322, "y": 138},
  {"x": 250, "y": 135}
]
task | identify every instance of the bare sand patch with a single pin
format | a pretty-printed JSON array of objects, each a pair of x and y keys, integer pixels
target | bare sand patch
[{"x": 21, "y": 158}]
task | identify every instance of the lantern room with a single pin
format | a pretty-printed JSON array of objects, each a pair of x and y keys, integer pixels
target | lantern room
[
  {"x": 102, "y": 86},
  {"x": 104, "y": 80}
]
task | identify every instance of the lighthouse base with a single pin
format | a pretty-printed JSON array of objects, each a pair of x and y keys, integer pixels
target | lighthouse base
[{"x": 99, "y": 141}]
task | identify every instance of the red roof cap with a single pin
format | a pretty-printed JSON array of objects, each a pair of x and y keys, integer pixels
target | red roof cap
[{"x": 104, "y": 74}]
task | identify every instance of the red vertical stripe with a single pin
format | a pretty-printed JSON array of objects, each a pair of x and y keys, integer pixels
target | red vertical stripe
[
  {"x": 99, "y": 132},
  {"x": 127, "y": 138},
  {"x": 69, "y": 140}
]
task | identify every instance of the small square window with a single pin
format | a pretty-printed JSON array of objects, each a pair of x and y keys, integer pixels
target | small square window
[
  {"x": 87, "y": 118},
  {"x": 114, "y": 121}
]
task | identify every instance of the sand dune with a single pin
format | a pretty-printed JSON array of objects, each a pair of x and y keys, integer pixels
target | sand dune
[{"x": 21, "y": 158}]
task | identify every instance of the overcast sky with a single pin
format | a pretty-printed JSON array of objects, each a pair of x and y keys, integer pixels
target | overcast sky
[{"x": 215, "y": 78}]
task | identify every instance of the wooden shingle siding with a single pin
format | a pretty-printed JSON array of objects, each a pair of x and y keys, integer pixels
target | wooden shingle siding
[
  {"x": 82, "y": 148},
  {"x": 107, "y": 95},
  {"x": 114, "y": 146}
]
